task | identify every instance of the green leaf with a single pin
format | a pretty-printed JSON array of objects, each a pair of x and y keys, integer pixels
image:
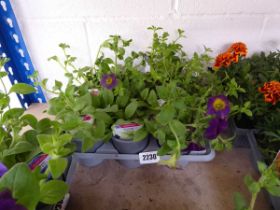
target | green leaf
[
  {"x": 57, "y": 167},
  {"x": 247, "y": 112},
  {"x": 71, "y": 121},
  {"x": 23, "y": 184},
  {"x": 20, "y": 147},
  {"x": 13, "y": 113},
  {"x": 56, "y": 105},
  {"x": 64, "y": 46},
  {"x": 3, "y": 74},
  {"x": 162, "y": 92},
  {"x": 164, "y": 149},
  {"x": 22, "y": 88},
  {"x": 140, "y": 134},
  {"x": 108, "y": 97},
  {"x": 100, "y": 129},
  {"x": 29, "y": 119},
  {"x": 152, "y": 99},
  {"x": 4, "y": 102},
  {"x": 166, "y": 114},
  {"x": 122, "y": 100},
  {"x": 179, "y": 128},
  {"x": 57, "y": 85},
  {"x": 131, "y": 109},
  {"x": 44, "y": 124},
  {"x": 53, "y": 191},
  {"x": 103, "y": 116},
  {"x": 252, "y": 185},
  {"x": 46, "y": 143},
  {"x": 31, "y": 137},
  {"x": 105, "y": 67},
  {"x": 239, "y": 201},
  {"x": 70, "y": 91},
  {"x": 109, "y": 108},
  {"x": 273, "y": 190},
  {"x": 261, "y": 166},
  {"x": 82, "y": 102},
  {"x": 171, "y": 143},
  {"x": 180, "y": 104},
  {"x": 63, "y": 140},
  {"x": 160, "y": 135},
  {"x": 144, "y": 93}
]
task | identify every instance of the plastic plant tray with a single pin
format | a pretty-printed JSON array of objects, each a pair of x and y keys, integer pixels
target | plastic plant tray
[
  {"x": 108, "y": 152},
  {"x": 257, "y": 156}
]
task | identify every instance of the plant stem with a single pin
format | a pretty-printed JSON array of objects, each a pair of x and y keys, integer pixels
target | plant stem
[
  {"x": 65, "y": 66},
  {"x": 176, "y": 137},
  {"x": 253, "y": 201},
  {"x": 5, "y": 90},
  {"x": 116, "y": 63},
  {"x": 97, "y": 55}
]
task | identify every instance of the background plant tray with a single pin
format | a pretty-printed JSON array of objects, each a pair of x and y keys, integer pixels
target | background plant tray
[
  {"x": 108, "y": 152},
  {"x": 257, "y": 156}
]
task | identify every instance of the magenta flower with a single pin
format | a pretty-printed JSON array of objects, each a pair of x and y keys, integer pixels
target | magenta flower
[
  {"x": 216, "y": 126},
  {"x": 7, "y": 202},
  {"x": 87, "y": 117},
  {"x": 109, "y": 81},
  {"x": 219, "y": 106},
  {"x": 3, "y": 169}
]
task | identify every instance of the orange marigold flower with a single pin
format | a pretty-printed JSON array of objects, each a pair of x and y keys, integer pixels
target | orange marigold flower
[
  {"x": 238, "y": 48},
  {"x": 223, "y": 60},
  {"x": 235, "y": 58},
  {"x": 271, "y": 91}
]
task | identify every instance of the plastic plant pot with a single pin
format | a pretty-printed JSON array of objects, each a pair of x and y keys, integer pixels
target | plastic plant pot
[
  {"x": 91, "y": 150},
  {"x": 245, "y": 122},
  {"x": 127, "y": 146},
  {"x": 95, "y": 147}
]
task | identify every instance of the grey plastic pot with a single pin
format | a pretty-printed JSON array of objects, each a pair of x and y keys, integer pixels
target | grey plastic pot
[
  {"x": 127, "y": 146},
  {"x": 78, "y": 143},
  {"x": 95, "y": 147},
  {"x": 257, "y": 156}
]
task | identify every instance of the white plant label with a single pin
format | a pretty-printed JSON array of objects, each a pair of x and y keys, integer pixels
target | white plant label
[{"x": 148, "y": 157}]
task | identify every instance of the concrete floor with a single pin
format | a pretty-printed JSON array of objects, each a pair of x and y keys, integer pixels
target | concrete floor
[{"x": 198, "y": 186}]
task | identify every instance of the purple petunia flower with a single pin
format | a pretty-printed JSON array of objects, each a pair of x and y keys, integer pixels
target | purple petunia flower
[
  {"x": 3, "y": 169},
  {"x": 219, "y": 106},
  {"x": 109, "y": 81},
  {"x": 7, "y": 202},
  {"x": 216, "y": 126},
  {"x": 192, "y": 147}
]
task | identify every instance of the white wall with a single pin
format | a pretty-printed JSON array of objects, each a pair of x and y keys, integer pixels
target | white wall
[{"x": 84, "y": 24}]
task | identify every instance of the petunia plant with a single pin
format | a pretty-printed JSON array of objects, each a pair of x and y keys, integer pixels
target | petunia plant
[{"x": 23, "y": 186}]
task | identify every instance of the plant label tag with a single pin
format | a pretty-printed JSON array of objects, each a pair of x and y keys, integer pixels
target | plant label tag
[
  {"x": 148, "y": 157},
  {"x": 40, "y": 160},
  {"x": 124, "y": 130}
]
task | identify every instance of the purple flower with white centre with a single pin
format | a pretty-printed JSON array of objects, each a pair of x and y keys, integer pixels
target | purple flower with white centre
[
  {"x": 7, "y": 202},
  {"x": 109, "y": 81},
  {"x": 216, "y": 126},
  {"x": 219, "y": 106},
  {"x": 3, "y": 169}
]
